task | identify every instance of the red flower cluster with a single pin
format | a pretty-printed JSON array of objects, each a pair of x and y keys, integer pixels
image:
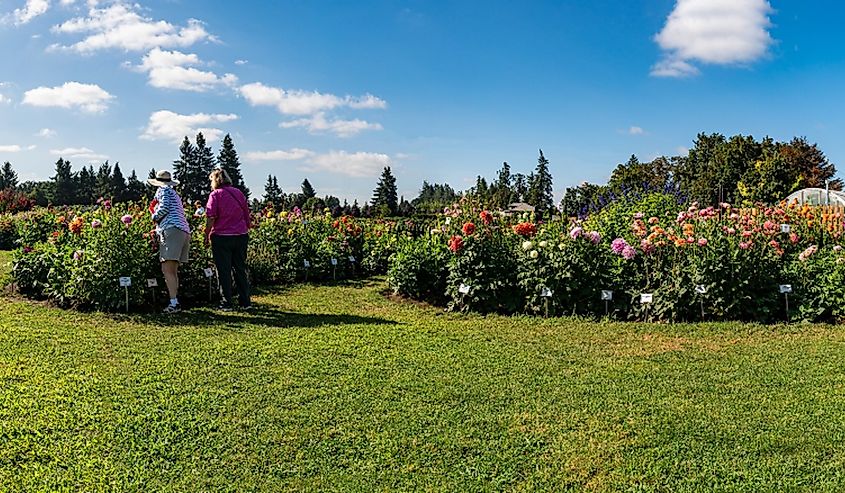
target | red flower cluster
[
  {"x": 468, "y": 229},
  {"x": 525, "y": 229},
  {"x": 486, "y": 218},
  {"x": 75, "y": 226},
  {"x": 456, "y": 243}
]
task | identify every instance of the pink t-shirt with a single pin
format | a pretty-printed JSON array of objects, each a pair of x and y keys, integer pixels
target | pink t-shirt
[{"x": 227, "y": 205}]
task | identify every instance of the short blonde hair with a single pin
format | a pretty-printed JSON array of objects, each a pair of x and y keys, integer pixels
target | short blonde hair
[{"x": 218, "y": 178}]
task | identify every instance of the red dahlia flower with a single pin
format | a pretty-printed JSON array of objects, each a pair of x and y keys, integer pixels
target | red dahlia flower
[
  {"x": 456, "y": 243},
  {"x": 486, "y": 217},
  {"x": 525, "y": 229},
  {"x": 468, "y": 228}
]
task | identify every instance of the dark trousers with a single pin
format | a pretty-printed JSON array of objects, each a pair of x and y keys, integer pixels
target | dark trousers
[{"x": 230, "y": 255}]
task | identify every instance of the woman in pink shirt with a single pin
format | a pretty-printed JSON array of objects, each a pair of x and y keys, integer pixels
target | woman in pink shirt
[{"x": 227, "y": 229}]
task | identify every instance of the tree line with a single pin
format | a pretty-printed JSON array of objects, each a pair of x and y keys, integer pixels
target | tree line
[{"x": 738, "y": 169}]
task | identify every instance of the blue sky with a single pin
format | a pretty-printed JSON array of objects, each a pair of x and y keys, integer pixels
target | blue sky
[{"x": 440, "y": 90}]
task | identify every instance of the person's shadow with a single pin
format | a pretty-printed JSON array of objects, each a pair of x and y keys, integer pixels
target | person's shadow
[{"x": 259, "y": 316}]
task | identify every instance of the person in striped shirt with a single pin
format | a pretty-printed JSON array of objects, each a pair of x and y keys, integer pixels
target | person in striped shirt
[{"x": 174, "y": 234}]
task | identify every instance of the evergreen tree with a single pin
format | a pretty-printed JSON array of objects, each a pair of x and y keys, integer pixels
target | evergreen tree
[
  {"x": 385, "y": 198},
  {"x": 103, "y": 187},
  {"x": 134, "y": 188},
  {"x": 502, "y": 192},
  {"x": 150, "y": 190},
  {"x": 229, "y": 161},
  {"x": 355, "y": 210},
  {"x": 86, "y": 181},
  {"x": 308, "y": 190},
  {"x": 64, "y": 190},
  {"x": 182, "y": 167},
  {"x": 117, "y": 184},
  {"x": 541, "y": 191},
  {"x": 8, "y": 176},
  {"x": 520, "y": 188},
  {"x": 273, "y": 194},
  {"x": 201, "y": 165}
]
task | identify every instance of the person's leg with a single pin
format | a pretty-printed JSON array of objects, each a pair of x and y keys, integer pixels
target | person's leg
[
  {"x": 239, "y": 265},
  {"x": 222, "y": 252},
  {"x": 170, "y": 269}
]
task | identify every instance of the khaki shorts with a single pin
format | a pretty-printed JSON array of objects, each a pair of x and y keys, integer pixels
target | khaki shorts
[{"x": 175, "y": 245}]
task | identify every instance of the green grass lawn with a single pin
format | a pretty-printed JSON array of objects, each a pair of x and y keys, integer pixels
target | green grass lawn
[{"x": 338, "y": 388}]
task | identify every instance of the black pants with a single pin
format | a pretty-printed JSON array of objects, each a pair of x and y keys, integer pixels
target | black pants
[{"x": 230, "y": 255}]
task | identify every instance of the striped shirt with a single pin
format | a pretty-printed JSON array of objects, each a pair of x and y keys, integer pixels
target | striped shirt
[{"x": 169, "y": 212}]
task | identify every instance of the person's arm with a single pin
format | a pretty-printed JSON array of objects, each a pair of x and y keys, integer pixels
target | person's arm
[
  {"x": 162, "y": 209},
  {"x": 210, "y": 216},
  {"x": 209, "y": 226}
]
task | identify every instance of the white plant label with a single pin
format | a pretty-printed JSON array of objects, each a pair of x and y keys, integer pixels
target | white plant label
[
  {"x": 334, "y": 261},
  {"x": 546, "y": 292},
  {"x": 152, "y": 283},
  {"x": 785, "y": 228},
  {"x": 700, "y": 288},
  {"x": 606, "y": 295},
  {"x": 463, "y": 289},
  {"x": 208, "y": 272},
  {"x": 125, "y": 282},
  {"x": 785, "y": 288},
  {"x": 306, "y": 263},
  {"x": 646, "y": 298},
  {"x": 352, "y": 259}
]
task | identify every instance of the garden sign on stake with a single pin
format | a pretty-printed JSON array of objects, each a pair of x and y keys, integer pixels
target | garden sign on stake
[
  {"x": 307, "y": 265},
  {"x": 464, "y": 290},
  {"x": 607, "y": 297},
  {"x": 209, "y": 273},
  {"x": 786, "y": 289},
  {"x": 125, "y": 282},
  {"x": 334, "y": 269},
  {"x": 152, "y": 284},
  {"x": 646, "y": 299},
  {"x": 546, "y": 293},
  {"x": 701, "y": 289}
]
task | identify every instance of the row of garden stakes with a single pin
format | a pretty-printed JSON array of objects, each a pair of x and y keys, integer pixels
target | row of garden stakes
[
  {"x": 645, "y": 298},
  {"x": 307, "y": 265},
  {"x": 126, "y": 282}
]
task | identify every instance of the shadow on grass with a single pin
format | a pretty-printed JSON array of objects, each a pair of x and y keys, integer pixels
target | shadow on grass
[{"x": 260, "y": 316}]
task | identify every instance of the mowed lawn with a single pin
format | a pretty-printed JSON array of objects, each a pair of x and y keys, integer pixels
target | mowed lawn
[{"x": 338, "y": 388}]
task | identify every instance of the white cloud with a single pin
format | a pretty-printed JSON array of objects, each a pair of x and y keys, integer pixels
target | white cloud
[
  {"x": 636, "y": 131},
  {"x": 78, "y": 153},
  {"x": 5, "y": 99},
  {"x": 359, "y": 164},
  {"x": 89, "y": 98},
  {"x": 294, "y": 154},
  {"x": 297, "y": 102},
  {"x": 31, "y": 10},
  {"x": 10, "y": 148},
  {"x": 170, "y": 126},
  {"x": 46, "y": 133},
  {"x": 343, "y": 128},
  {"x": 241, "y": 62},
  {"x": 172, "y": 70},
  {"x": 722, "y": 32},
  {"x": 121, "y": 26}
]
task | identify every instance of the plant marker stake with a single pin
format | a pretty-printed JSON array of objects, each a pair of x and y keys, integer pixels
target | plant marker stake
[
  {"x": 125, "y": 282},
  {"x": 334, "y": 269},
  {"x": 152, "y": 284},
  {"x": 209, "y": 274},
  {"x": 701, "y": 289},
  {"x": 606, "y": 295},
  {"x": 786, "y": 289}
]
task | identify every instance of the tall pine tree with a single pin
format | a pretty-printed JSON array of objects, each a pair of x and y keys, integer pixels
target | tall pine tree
[
  {"x": 273, "y": 194},
  {"x": 307, "y": 190},
  {"x": 86, "y": 181},
  {"x": 182, "y": 167},
  {"x": 385, "y": 198},
  {"x": 228, "y": 160},
  {"x": 8, "y": 176},
  {"x": 202, "y": 165},
  {"x": 117, "y": 184},
  {"x": 103, "y": 185},
  {"x": 540, "y": 188},
  {"x": 134, "y": 188},
  {"x": 64, "y": 186}
]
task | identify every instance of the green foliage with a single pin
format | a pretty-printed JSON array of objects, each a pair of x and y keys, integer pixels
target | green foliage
[
  {"x": 385, "y": 198},
  {"x": 419, "y": 269}
]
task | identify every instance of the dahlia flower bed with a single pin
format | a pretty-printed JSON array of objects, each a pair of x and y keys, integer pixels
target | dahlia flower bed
[
  {"x": 75, "y": 257},
  {"x": 646, "y": 259}
]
